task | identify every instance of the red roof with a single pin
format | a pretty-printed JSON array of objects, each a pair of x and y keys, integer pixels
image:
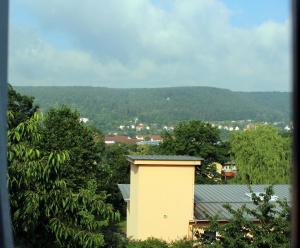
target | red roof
[{"x": 155, "y": 137}]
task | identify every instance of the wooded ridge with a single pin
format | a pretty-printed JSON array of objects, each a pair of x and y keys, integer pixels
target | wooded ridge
[{"x": 107, "y": 107}]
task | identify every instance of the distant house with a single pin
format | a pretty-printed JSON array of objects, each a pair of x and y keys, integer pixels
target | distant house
[
  {"x": 229, "y": 169},
  {"x": 250, "y": 126},
  {"x": 83, "y": 119},
  {"x": 155, "y": 138},
  {"x": 150, "y": 140},
  {"x": 113, "y": 139},
  {"x": 163, "y": 201},
  {"x": 287, "y": 128},
  {"x": 140, "y": 137},
  {"x": 140, "y": 127}
]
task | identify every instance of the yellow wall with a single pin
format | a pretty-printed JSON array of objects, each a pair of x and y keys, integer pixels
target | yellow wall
[
  {"x": 161, "y": 200},
  {"x": 132, "y": 215}
]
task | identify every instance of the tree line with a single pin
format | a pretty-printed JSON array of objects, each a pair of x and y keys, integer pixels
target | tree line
[{"x": 108, "y": 108}]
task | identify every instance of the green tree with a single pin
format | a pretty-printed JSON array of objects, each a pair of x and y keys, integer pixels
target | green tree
[
  {"x": 272, "y": 227},
  {"x": 197, "y": 138},
  {"x": 115, "y": 169},
  {"x": 262, "y": 155},
  {"x": 63, "y": 130},
  {"x": 46, "y": 210},
  {"x": 22, "y": 106}
]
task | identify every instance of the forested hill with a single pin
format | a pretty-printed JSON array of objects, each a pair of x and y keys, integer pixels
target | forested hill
[{"x": 109, "y": 106}]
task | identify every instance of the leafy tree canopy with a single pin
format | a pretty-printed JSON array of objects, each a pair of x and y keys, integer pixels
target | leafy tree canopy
[
  {"x": 22, "y": 106},
  {"x": 197, "y": 138},
  {"x": 262, "y": 155},
  {"x": 63, "y": 130},
  {"x": 115, "y": 169},
  {"x": 46, "y": 210},
  {"x": 53, "y": 161}
]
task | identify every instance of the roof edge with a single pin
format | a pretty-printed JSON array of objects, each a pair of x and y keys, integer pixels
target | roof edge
[{"x": 164, "y": 160}]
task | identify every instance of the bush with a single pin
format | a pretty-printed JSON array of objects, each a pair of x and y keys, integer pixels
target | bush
[
  {"x": 182, "y": 244},
  {"x": 157, "y": 243},
  {"x": 149, "y": 243}
]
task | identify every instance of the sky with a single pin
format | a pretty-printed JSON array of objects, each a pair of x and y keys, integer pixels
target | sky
[{"x": 241, "y": 45}]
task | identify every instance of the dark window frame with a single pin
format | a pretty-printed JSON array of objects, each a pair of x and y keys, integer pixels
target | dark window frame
[
  {"x": 295, "y": 162},
  {"x": 6, "y": 240}
]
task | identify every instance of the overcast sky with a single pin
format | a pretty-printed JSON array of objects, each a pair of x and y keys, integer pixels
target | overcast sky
[{"x": 238, "y": 45}]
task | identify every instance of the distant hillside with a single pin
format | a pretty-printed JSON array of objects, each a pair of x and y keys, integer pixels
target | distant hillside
[{"x": 107, "y": 106}]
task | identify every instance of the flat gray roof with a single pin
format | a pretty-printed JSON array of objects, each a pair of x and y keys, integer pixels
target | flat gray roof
[
  {"x": 209, "y": 199},
  {"x": 163, "y": 157}
]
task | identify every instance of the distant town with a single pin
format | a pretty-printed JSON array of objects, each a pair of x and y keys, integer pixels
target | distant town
[{"x": 140, "y": 133}]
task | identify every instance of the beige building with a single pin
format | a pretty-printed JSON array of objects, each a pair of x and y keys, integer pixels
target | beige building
[
  {"x": 154, "y": 209},
  {"x": 163, "y": 202}
]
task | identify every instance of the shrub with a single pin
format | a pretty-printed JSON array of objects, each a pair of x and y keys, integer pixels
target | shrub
[{"x": 148, "y": 243}]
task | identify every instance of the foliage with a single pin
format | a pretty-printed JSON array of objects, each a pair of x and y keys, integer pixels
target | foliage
[
  {"x": 272, "y": 228},
  {"x": 197, "y": 138},
  {"x": 63, "y": 130},
  {"x": 108, "y": 108},
  {"x": 46, "y": 210},
  {"x": 115, "y": 169},
  {"x": 22, "y": 106},
  {"x": 157, "y": 243},
  {"x": 148, "y": 243},
  {"x": 261, "y": 155},
  {"x": 183, "y": 243}
]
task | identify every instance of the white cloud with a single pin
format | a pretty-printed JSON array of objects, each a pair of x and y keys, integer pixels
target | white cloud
[{"x": 135, "y": 43}]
